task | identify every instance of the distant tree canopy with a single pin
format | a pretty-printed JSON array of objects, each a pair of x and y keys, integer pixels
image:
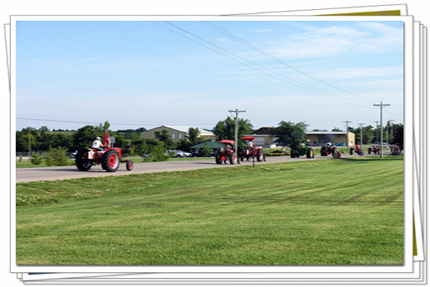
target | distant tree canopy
[
  {"x": 290, "y": 134},
  {"x": 164, "y": 137},
  {"x": 85, "y": 136},
  {"x": 398, "y": 135},
  {"x": 226, "y": 129},
  {"x": 367, "y": 134},
  {"x": 193, "y": 135}
]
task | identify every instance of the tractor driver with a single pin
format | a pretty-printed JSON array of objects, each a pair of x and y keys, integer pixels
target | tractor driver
[
  {"x": 97, "y": 144},
  {"x": 227, "y": 147}
]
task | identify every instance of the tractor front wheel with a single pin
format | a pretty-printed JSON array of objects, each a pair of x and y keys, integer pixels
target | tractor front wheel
[
  {"x": 218, "y": 159},
  {"x": 83, "y": 163},
  {"x": 129, "y": 165},
  {"x": 232, "y": 158},
  {"x": 110, "y": 160}
]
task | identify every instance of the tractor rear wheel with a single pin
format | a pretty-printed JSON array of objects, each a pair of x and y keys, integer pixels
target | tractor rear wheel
[
  {"x": 310, "y": 153},
  {"x": 110, "y": 160},
  {"x": 369, "y": 150},
  {"x": 292, "y": 153},
  {"x": 83, "y": 163},
  {"x": 259, "y": 154},
  {"x": 323, "y": 151},
  {"x": 129, "y": 165}
]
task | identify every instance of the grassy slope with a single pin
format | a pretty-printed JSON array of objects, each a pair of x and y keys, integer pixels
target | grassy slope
[{"x": 302, "y": 213}]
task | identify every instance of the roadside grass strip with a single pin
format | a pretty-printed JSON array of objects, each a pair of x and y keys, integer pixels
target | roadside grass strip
[{"x": 322, "y": 212}]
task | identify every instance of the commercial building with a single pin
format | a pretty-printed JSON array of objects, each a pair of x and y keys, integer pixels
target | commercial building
[{"x": 176, "y": 133}]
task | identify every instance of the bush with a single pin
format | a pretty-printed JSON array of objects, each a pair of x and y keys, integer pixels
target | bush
[
  {"x": 206, "y": 150},
  {"x": 36, "y": 159},
  {"x": 157, "y": 154},
  {"x": 60, "y": 157},
  {"x": 49, "y": 159},
  {"x": 56, "y": 156}
]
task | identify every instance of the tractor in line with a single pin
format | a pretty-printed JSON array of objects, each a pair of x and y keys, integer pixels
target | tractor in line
[
  {"x": 109, "y": 158},
  {"x": 251, "y": 151},
  {"x": 226, "y": 153}
]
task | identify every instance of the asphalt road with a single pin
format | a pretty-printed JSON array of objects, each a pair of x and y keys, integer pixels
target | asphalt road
[{"x": 70, "y": 172}]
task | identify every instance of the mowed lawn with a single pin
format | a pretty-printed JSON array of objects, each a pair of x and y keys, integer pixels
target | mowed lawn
[{"x": 321, "y": 212}]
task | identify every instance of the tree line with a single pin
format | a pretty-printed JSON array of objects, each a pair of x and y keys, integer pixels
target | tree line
[{"x": 286, "y": 134}]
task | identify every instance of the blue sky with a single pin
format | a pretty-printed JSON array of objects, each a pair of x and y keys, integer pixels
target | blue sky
[{"x": 145, "y": 73}]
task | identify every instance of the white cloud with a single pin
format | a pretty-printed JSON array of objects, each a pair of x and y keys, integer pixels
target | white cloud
[{"x": 331, "y": 41}]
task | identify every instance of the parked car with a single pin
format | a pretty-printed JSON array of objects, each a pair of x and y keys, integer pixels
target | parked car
[
  {"x": 186, "y": 154},
  {"x": 174, "y": 153}
]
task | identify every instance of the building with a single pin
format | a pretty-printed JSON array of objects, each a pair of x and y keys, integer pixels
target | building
[
  {"x": 176, "y": 133},
  {"x": 338, "y": 138},
  {"x": 265, "y": 138}
]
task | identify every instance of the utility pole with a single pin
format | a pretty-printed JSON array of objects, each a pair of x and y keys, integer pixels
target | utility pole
[
  {"x": 377, "y": 126},
  {"x": 29, "y": 144},
  {"x": 236, "y": 129},
  {"x": 361, "y": 134},
  {"x": 347, "y": 127},
  {"x": 381, "y": 106}
]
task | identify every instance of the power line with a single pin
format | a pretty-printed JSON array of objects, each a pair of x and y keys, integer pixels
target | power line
[
  {"x": 116, "y": 124},
  {"x": 244, "y": 42},
  {"x": 256, "y": 66}
]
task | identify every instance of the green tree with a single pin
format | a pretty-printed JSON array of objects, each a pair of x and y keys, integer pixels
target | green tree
[
  {"x": 336, "y": 130},
  {"x": 226, "y": 129},
  {"x": 398, "y": 135},
  {"x": 184, "y": 145},
  {"x": 367, "y": 134},
  {"x": 193, "y": 135},
  {"x": 206, "y": 150},
  {"x": 49, "y": 159},
  {"x": 164, "y": 137},
  {"x": 158, "y": 153},
  {"x": 290, "y": 134},
  {"x": 84, "y": 137},
  {"x": 60, "y": 157},
  {"x": 36, "y": 159},
  {"x": 101, "y": 128}
]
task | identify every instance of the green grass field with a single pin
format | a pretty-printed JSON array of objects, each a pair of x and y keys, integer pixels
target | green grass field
[{"x": 322, "y": 212}]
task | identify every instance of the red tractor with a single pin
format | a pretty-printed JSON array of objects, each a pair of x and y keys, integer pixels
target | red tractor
[
  {"x": 374, "y": 149},
  {"x": 330, "y": 149},
  {"x": 251, "y": 151},
  {"x": 109, "y": 158},
  {"x": 358, "y": 150},
  {"x": 226, "y": 153}
]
